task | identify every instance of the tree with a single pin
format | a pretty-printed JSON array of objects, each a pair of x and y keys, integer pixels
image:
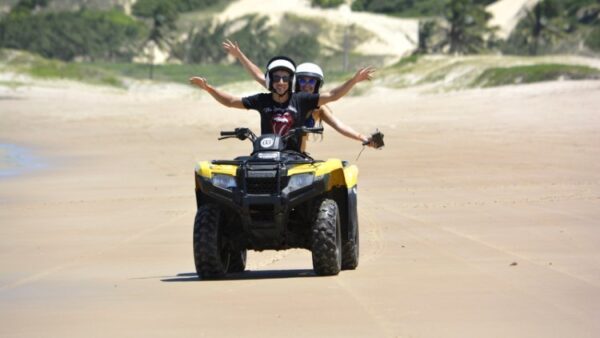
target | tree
[
  {"x": 467, "y": 27},
  {"x": 163, "y": 16},
  {"x": 203, "y": 44},
  {"x": 254, "y": 37},
  {"x": 252, "y": 33},
  {"x": 326, "y": 3},
  {"x": 301, "y": 46},
  {"x": 427, "y": 30},
  {"x": 540, "y": 29},
  {"x": 27, "y": 6},
  {"x": 84, "y": 34},
  {"x": 593, "y": 40}
]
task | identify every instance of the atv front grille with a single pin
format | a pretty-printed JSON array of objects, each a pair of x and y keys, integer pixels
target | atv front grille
[
  {"x": 264, "y": 186},
  {"x": 261, "y": 213}
]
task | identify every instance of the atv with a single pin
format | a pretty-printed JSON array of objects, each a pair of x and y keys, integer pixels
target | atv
[{"x": 274, "y": 199}]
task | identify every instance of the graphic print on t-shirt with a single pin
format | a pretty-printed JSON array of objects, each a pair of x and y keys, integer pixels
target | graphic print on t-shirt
[{"x": 282, "y": 122}]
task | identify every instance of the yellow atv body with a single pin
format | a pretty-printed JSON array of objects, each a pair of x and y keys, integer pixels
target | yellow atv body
[{"x": 275, "y": 199}]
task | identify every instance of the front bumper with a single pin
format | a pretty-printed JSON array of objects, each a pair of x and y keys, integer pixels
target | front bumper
[{"x": 264, "y": 217}]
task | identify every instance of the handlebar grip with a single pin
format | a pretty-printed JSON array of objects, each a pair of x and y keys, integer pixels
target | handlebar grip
[
  {"x": 228, "y": 133},
  {"x": 318, "y": 130}
]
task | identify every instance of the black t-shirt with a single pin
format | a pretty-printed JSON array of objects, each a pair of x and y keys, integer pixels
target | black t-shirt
[{"x": 279, "y": 118}]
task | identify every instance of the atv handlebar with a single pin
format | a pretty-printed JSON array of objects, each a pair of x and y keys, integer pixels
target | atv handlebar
[
  {"x": 244, "y": 133},
  {"x": 318, "y": 130},
  {"x": 303, "y": 130},
  {"x": 240, "y": 133}
]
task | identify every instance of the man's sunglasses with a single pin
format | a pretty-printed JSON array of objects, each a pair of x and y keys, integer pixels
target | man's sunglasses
[
  {"x": 277, "y": 78},
  {"x": 304, "y": 80}
]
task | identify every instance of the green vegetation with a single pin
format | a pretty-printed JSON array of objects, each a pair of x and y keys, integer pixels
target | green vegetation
[
  {"x": 203, "y": 44},
  {"x": 408, "y": 8},
  {"x": 468, "y": 26},
  {"x": 39, "y": 67},
  {"x": 444, "y": 73},
  {"x": 302, "y": 46},
  {"x": 326, "y": 3},
  {"x": 557, "y": 26},
  {"x": 163, "y": 17},
  {"x": 12, "y": 84},
  {"x": 217, "y": 74},
  {"x": 406, "y": 61},
  {"x": 593, "y": 39},
  {"x": 303, "y": 39},
  {"x": 461, "y": 26},
  {"x": 453, "y": 26},
  {"x": 335, "y": 43},
  {"x": 66, "y": 36},
  {"x": 100, "y": 45},
  {"x": 534, "y": 73},
  {"x": 194, "y": 5}
]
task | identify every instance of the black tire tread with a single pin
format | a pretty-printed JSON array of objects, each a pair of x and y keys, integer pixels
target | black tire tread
[
  {"x": 350, "y": 255},
  {"x": 237, "y": 261},
  {"x": 325, "y": 239},
  {"x": 207, "y": 255}
]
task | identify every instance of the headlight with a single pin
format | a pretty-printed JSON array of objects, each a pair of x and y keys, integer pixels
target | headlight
[
  {"x": 224, "y": 181},
  {"x": 300, "y": 181}
]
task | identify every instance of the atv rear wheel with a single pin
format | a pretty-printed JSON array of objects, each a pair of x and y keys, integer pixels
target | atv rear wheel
[
  {"x": 327, "y": 239},
  {"x": 211, "y": 257},
  {"x": 237, "y": 261}
]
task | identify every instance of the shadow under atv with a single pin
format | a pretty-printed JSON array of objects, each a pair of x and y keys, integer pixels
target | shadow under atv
[{"x": 246, "y": 275}]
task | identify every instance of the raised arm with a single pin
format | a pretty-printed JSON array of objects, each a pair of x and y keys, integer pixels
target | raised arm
[
  {"x": 234, "y": 50},
  {"x": 336, "y": 93},
  {"x": 222, "y": 97},
  {"x": 342, "y": 128}
]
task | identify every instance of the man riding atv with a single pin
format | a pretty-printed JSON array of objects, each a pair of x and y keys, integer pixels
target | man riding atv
[
  {"x": 309, "y": 78},
  {"x": 282, "y": 109}
]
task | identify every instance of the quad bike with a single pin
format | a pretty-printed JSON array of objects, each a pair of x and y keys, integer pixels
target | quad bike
[{"x": 275, "y": 199}]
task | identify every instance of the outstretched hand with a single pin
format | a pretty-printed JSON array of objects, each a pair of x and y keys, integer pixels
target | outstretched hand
[
  {"x": 369, "y": 142},
  {"x": 232, "y": 48},
  {"x": 199, "y": 81},
  {"x": 365, "y": 73}
]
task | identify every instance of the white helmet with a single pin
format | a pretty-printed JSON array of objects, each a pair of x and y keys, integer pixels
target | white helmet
[
  {"x": 280, "y": 63},
  {"x": 311, "y": 70}
]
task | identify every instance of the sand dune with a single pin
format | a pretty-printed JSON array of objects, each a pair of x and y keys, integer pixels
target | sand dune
[
  {"x": 393, "y": 37},
  {"x": 507, "y": 13}
]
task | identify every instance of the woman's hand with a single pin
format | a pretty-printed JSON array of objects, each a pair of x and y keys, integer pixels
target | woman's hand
[
  {"x": 363, "y": 74},
  {"x": 232, "y": 48},
  {"x": 367, "y": 141},
  {"x": 199, "y": 81}
]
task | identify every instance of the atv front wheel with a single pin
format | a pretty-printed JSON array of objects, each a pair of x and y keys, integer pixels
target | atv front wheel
[
  {"x": 350, "y": 253},
  {"x": 211, "y": 257},
  {"x": 237, "y": 261},
  {"x": 327, "y": 239}
]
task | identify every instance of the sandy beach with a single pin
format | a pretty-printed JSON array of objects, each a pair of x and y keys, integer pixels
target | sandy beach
[{"x": 478, "y": 219}]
